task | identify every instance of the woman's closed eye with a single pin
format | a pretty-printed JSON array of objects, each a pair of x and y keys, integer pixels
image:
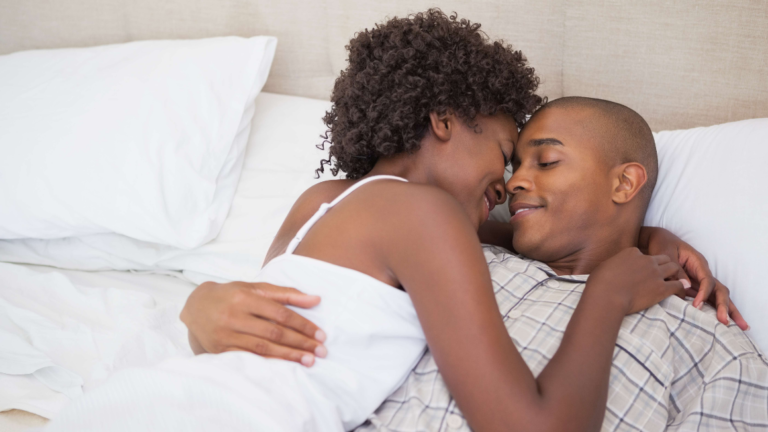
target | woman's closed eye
[
  {"x": 507, "y": 162},
  {"x": 507, "y": 159}
]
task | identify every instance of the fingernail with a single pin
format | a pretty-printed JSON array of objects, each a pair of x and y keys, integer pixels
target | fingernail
[
  {"x": 748, "y": 327},
  {"x": 321, "y": 351},
  {"x": 686, "y": 283},
  {"x": 699, "y": 306},
  {"x": 307, "y": 359},
  {"x": 320, "y": 336}
]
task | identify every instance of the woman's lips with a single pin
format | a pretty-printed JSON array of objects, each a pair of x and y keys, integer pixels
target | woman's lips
[{"x": 490, "y": 204}]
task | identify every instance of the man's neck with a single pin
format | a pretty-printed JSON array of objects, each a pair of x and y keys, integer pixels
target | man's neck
[{"x": 591, "y": 255}]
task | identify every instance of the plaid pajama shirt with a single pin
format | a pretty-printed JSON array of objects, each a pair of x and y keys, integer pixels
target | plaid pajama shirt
[{"x": 674, "y": 367}]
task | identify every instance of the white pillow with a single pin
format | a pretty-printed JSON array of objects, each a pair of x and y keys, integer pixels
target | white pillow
[
  {"x": 280, "y": 164},
  {"x": 143, "y": 139},
  {"x": 711, "y": 192}
]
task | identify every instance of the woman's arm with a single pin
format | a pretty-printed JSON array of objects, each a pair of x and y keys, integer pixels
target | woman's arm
[
  {"x": 442, "y": 267},
  {"x": 496, "y": 233}
]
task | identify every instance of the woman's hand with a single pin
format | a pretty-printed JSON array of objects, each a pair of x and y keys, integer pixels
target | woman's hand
[
  {"x": 637, "y": 281},
  {"x": 241, "y": 316},
  {"x": 704, "y": 286}
]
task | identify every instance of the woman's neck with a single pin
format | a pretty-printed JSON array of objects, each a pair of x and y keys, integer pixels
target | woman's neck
[{"x": 403, "y": 166}]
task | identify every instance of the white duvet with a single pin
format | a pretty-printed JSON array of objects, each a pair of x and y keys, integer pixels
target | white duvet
[
  {"x": 374, "y": 341},
  {"x": 65, "y": 332},
  {"x": 108, "y": 352}
]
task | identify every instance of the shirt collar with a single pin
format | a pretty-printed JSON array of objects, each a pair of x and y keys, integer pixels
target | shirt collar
[{"x": 549, "y": 272}]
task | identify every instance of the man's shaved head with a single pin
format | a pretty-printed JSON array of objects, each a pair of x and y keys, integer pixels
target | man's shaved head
[{"x": 622, "y": 133}]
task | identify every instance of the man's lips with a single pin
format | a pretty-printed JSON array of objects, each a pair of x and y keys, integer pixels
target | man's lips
[{"x": 520, "y": 209}]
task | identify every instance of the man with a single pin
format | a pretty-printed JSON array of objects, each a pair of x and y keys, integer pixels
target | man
[{"x": 584, "y": 170}]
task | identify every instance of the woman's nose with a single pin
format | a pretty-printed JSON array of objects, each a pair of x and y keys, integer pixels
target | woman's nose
[{"x": 499, "y": 192}]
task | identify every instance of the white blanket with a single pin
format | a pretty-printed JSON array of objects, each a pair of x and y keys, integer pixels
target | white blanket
[
  {"x": 63, "y": 332},
  {"x": 374, "y": 340}
]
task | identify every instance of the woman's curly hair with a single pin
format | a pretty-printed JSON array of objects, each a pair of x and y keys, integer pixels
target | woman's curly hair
[{"x": 401, "y": 71}]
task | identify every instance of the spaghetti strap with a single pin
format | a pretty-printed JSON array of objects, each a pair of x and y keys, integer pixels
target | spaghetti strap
[{"x": 327, "y": 206}]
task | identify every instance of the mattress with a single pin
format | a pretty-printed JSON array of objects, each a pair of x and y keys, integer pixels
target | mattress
[{"x": 145, "y": 329}]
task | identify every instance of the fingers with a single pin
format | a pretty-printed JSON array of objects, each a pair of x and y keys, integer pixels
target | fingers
[
  {"x": 280, "y": 335},
  {"x": 675, "y": 287},
  {"x": 681, "y": 275},
  {"x": 722, "y": 301},
  {"x": 706, "y": 287},
  {"x": 287, "y": 296},
  {"x": 670, "y": 270},
  {"x": 737, "y": 318},
  {"x": 661, "y": 259},
  {"x": 281, "y": 315},
  {"x": 695, "y": 265},
  {"x": 265, "y": 348}
]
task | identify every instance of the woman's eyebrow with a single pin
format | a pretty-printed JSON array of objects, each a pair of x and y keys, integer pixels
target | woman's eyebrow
[{"x": 544, "y": 141}]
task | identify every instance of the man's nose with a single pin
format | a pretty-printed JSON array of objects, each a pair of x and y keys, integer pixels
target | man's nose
[{"x": 519, "y": 181}]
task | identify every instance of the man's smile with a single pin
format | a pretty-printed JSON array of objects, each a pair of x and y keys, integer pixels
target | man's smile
[{"x": 522, "y": 209}]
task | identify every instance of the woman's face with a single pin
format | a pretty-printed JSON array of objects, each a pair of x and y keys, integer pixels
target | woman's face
[{"x": 473, "y": 162}]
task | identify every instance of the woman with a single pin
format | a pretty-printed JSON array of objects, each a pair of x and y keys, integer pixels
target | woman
[{"x": 425, "y": 119}]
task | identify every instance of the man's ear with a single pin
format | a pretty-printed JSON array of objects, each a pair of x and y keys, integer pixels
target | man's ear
[
  {"x": 442, "y": 125},
  {"x": 628, "y": 179}
]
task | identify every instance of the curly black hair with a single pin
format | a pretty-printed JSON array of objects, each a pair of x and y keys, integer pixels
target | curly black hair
[{"x": 401, "y": 71}]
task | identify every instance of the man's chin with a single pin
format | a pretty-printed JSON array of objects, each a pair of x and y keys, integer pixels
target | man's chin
[{"x": 524, "y": 245}]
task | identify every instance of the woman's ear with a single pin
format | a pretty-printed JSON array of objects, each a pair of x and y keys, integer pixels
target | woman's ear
[
  {"x": 629, "y": 178},
  {"x": 442, "y": 125}
]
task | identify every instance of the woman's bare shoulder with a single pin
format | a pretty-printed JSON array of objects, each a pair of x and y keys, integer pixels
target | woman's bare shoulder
[
  {"x": 322, "y": 192},
  {"x": 407, "y": 199},
  {"x": 399, "y": 210},
  {"x": 396, "y": 196},
  {"x": 303, "y": 209}
]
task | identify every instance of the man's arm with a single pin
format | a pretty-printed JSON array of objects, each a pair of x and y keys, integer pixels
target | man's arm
[
  {"x": 704, "y": 286},
  {"x": 252, "y": 317}
]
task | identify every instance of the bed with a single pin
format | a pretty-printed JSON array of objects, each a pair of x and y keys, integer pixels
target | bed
[{"x": 681, "y": 65}]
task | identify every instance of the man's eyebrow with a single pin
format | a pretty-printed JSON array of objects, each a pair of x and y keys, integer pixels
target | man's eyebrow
[{"x": 544, "y": 141}]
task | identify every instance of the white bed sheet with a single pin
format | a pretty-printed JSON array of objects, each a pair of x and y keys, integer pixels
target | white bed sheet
[{"x": 77, "y": 325}]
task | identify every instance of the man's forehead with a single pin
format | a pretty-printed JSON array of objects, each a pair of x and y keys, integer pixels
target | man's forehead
[{"x": 556, "y": 126}]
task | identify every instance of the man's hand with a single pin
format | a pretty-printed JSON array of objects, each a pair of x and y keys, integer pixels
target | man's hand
[
  {"x": 704, "y": 286},
  {"x": 241, "y": 316}
]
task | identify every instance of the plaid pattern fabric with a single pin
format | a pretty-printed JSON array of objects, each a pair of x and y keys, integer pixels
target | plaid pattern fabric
[{"x": 674, "y": 367}]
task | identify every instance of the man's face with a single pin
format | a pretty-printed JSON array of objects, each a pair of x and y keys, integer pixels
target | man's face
[{"x": 561, "y": 189}]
